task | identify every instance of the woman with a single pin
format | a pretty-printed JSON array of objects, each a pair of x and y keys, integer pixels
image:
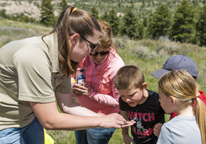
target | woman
[
  {"x": 35, "y": 70},
  {"x": 99, "y": 93}
]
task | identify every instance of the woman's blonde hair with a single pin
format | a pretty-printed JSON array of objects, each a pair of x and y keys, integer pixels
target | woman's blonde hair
[
  {"x": 128, "y": 77},
  {"x": 106, "y": 36},
  {"x": 72, "y": 20},
  {"x": 181, "y": 85}
]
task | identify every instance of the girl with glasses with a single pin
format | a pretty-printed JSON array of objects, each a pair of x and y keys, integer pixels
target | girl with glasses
[
  {"x": 35, "y": 70},
  {"x": 98, "y": 93}
]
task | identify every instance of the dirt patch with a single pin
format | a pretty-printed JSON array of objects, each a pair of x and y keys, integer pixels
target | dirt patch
[{"x": 16, "y": 7}]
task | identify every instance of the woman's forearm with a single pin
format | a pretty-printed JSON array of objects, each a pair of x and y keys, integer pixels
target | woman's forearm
[
  {"x": 68, "y": 105},
  {"x": 51, "y": 118}
]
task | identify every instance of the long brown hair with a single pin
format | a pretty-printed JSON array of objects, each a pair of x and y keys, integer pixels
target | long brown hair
[
  {"x": 72, "y": 20},
  {"x": 181, "y": 85}
]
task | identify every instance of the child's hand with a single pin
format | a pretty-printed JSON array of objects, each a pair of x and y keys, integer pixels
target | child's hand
[
  {"x": 127, "y": 139},
  {"x": 157, "y": 129},
  {"x": 128, "y": 123}
]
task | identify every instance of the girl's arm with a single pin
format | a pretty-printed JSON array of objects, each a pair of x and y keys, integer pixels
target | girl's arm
[
  {"x": 86, "y": 90},
  {"x": 111, "y": 100}
]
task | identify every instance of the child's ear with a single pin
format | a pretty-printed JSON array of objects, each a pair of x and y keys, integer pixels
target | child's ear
[
  {"x": 144, "y": 86},
  {"x": 172, "y": 100}
]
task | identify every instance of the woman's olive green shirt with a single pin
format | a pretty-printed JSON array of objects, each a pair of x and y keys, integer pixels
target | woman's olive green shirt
[{"x": 29, "y": 72}]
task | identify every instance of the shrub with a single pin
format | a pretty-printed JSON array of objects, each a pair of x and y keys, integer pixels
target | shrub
[
  {"x": 144, "y": 53},
  {"x": 121, "y": 43}
]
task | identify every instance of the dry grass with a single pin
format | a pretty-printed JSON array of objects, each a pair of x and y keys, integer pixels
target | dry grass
[{"x": 149, "y": 55}]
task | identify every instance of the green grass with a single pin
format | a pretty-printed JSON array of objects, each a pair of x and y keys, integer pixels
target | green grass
[
  {"x": 149, "y": 55},
  {"x": 14, "y": 30}
]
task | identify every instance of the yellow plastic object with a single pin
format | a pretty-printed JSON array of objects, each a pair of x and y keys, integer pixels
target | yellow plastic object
[
  {"x": 73, "y": 80},
  {"x": 47, "y": 138}
]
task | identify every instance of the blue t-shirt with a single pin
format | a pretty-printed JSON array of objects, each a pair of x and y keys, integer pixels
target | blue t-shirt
[
  {"x": 180, "y": 130},
  {"x": 146, "y": 116}
]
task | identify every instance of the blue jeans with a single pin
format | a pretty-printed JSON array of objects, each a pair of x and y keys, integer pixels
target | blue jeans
[
  {"x": 30, "y": 134},
  {"x": 94, "y": 136}
]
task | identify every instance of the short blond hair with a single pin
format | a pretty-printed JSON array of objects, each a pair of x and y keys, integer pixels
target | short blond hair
[{"x": 128, "y": 77}]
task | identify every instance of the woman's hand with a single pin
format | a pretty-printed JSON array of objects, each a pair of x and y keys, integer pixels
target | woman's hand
[
  {"x": 114, "y": 120},
  {"x": 82, "y": 89}
]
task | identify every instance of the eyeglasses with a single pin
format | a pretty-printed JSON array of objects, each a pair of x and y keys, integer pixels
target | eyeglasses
[
  {"x": 92, "y": 46},
  {"x": 102, "y": 53}
]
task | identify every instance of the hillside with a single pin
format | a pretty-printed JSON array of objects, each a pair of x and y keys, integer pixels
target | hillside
[
  {"x": 149, "y": 55},
  {"x": 32, "y": 8}
]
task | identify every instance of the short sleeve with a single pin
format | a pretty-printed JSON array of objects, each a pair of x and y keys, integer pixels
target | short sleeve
[
  {"x": 34, "y": 75},
  {"x": 65, "y": 86},
  {"x": 165, "y": 136}
]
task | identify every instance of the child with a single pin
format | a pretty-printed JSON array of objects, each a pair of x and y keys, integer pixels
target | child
[
  {"x": 177, "y": 62},
  {"x": 139, "y": 104},
  {"x": 177, "y": 90}
]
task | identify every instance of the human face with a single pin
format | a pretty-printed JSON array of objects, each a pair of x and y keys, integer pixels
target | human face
[
  {"x": 79, "y": 49},
  {"x": 133, "y": 96},
  {"x": 99, "y": 58},
  {"x": 91, "y": 45},
  {"x": 165, "y": 101}
]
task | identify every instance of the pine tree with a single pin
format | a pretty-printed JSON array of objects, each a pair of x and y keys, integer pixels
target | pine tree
[
  {"x": 105, "y": 17},
  {"x": 140, "y": 30},
  {"x": 143, "y": 4},
  {"x": 161, "y": 22},
  {"x": 47, "y": 15},
  {"x": 129, "y": 26},
  {"x": 94, "y": 12},
  {"x": 201, "y": 27},
  {"x": 145, "y": 20},
  {"x": 149, "y": 4},
  {"x": 183, "y": 29},
  {"x": 113, "y": 20},
  {"x": 63, "y": 4}
]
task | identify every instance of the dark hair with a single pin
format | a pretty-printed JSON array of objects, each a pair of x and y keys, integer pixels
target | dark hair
[{"x": 72, "y": 20}]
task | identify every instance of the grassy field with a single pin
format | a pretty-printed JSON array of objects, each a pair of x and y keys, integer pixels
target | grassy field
[{"x": 149, "y": 55}]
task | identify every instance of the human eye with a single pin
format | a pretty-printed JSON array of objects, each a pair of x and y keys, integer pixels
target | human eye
[
  {"x": 122, "y": 96},
  {"x": 133, "y": 94}
]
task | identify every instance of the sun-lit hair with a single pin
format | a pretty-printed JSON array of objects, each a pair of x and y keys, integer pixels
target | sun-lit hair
[
  {"x": 182, "y": 86},
  {"x": 129, "y": 77},
  {"x": 69, "y": 21},
  {"x": 106, "y": 36}
]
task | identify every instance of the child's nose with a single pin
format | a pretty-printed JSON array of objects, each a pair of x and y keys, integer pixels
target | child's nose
[{"x": 128, "y": 100}]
